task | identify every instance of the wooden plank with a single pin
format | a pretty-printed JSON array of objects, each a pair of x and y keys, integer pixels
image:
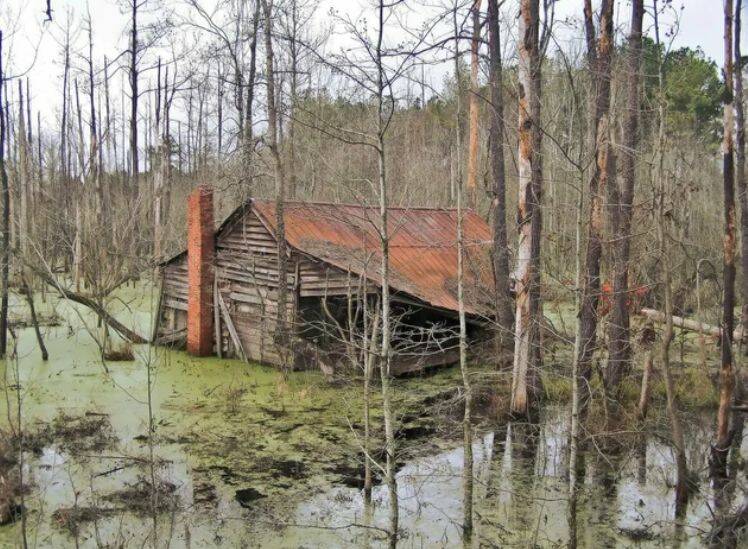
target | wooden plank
[
  {"x": 174, "y": 304},
  {"x": 171, "y": 337},
  {"x": 157, "y": 318},
  {"x": 217, "y": 319},
  {"x": 230, "y": 326}
]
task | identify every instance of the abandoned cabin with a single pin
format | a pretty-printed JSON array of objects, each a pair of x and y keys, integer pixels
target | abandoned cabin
[{"x": 219, "y": 296}]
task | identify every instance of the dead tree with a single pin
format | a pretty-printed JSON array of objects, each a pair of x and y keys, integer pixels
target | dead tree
[
  {"x": 660, "y": 183},
  {"x": 727, "y": 374},
  {"x": 133, "y": 73},
  {"x": 619, "y": 335},
  {"x": 740, "y": 181},
  {"x": 93, "y": 145},
  {"x": 598, "y": 185},
  {"x": 527, "y": 354},
  {"x": 383, "y": 118},
  {"x": 504, "y": 313},
  {"x": 281, "y": 335},
  {"x": 467, "y": 429},
  {"x": 472, "y": 171},
  {"x": 5, "y": 254},
  {"x": 248, "y": 140}
]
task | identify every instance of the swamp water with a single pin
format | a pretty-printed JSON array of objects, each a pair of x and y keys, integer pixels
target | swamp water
[{"x": 240, "y": 456}]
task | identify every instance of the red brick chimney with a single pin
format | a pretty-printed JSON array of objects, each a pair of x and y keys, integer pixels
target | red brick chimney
[{"x": 200, "y": 251}]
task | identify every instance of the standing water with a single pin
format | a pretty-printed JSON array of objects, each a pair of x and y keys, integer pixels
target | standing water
[{"x": 241, "y": 455}]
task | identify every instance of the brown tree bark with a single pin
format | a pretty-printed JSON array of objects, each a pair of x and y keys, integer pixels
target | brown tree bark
[
  {"x": 589, "y": 34},
  {"x": 619, "y": 327},
  {"x": 727, "y": 374},
  {"x": 525, "y": 374},
  {"x": 93, "y": 145},
  {"x": 472, "y": 168},
  {"x": 504, "y": 313},
  {"x": 248, "y": 135},
  {"x": 740, "y": 181},
  {"x": 597, "y": 190}
]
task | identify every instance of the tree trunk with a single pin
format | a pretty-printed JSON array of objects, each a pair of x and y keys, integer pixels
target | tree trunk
[
  {"x": 5, "y": 254},
  {"x": 525, "y": 374},
  {"x": 294, "y": 54},
  {"x": 618, "y": 328},
  {"x": 467, "y": 429},
  {"x": 598, "y": 185},
  {"x": 681, "y": 485},
  {"x": 248, "y": 135},
  {"x": 28, "y": 294},
  {"x": 727, "y": 375},
  {"x": 385, "y": 349},
  {"x": 500, "y": 256},
  {"x": 472, "y": 168},
  {"x": 134, "y": 163},
  {"x": 281, "y": 335},
  {"x": 643, "y": 407},
  {"x": 24, "y": 174}
]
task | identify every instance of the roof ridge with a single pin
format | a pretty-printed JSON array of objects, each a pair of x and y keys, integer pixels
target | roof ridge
[{"x": 362, "y": 206}]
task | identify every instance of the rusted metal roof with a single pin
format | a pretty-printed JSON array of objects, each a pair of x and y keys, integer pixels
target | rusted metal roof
[{"x": 422, "y": 247}]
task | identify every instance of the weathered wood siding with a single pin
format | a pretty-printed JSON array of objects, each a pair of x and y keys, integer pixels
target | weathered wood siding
[
  {"x": 172, "y": 314},
  {"x": 248, "y": 280}
]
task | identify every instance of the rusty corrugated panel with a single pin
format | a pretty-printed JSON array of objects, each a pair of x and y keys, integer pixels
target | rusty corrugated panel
[{"x": 423, "y": 250}]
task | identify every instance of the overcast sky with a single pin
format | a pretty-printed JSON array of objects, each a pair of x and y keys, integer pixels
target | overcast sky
[{"x": 34, "y": 46}]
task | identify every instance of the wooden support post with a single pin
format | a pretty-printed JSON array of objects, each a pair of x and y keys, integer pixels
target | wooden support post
[
  {"x": 217, "y": 319},
  {"x": 232, "y": 330}
]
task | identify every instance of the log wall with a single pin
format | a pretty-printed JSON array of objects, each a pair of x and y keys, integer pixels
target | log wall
[{"x": 247, "y": 279}]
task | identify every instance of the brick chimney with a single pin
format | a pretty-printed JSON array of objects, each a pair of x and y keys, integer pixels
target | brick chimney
[{"x": 200, "y": 251}]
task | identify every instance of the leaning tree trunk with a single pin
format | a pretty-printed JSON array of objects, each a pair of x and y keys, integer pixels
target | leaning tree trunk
[
  {"x": 500, "y": 256},
  {"x": 525, "y": 375},
  {"x": 598, "y": 185},
  {"x": 727, "y": 375},
  {"x": 619, "y": 335}
]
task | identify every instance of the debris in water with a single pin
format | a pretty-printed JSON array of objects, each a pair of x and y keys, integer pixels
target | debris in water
[
  {"x": 73, "y": 433},
  {"x": 72, "y": 518},
  {"x": 246, "y": 496},
  {"x": 140, "y": 498}
]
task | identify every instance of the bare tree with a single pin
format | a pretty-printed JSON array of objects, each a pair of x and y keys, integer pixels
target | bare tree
[
  {"x": 4, "y": 188},
  {"x": 727, "y": 374},
  {"x": 598, "y": 186},
  {"x": 281, "y": 329},
  {"x": 504, "y": 313},
  {"x": 621, "y": 212},
  {"x": 472, "y": 171},
  {"x": 527, "y": 355}
]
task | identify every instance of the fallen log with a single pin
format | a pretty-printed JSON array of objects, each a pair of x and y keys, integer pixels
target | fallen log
[
  {"x": 692, "y": 325},
  {"x": 112, "y": 322}
]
